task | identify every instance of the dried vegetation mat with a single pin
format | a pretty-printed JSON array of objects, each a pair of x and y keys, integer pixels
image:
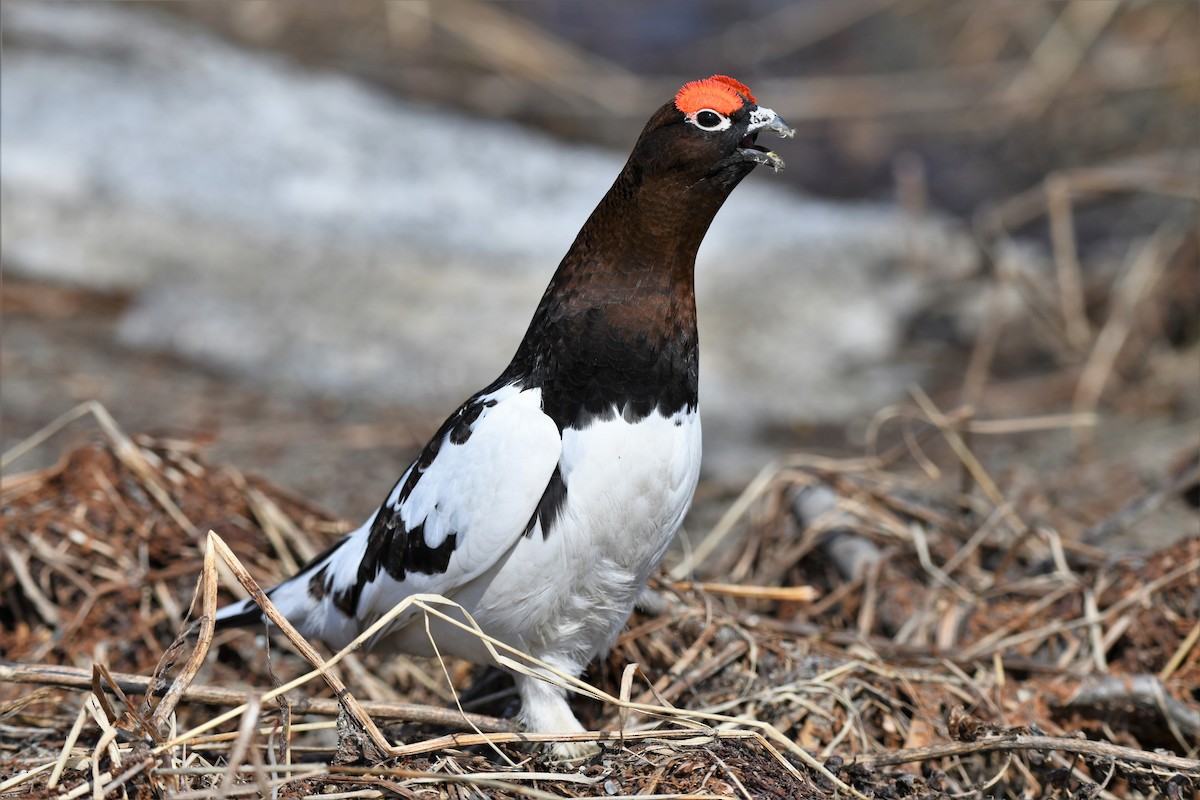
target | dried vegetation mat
[{"x": 874, "y": 636}]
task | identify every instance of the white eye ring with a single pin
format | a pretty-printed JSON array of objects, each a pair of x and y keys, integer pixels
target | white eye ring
[{"x": 703, "y": 119}]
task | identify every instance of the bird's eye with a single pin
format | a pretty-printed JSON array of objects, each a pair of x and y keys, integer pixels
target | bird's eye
[{"x": 709, "y": 120}]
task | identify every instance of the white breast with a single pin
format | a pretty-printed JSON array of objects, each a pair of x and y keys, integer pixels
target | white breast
[{"x": 565, "y": 594}]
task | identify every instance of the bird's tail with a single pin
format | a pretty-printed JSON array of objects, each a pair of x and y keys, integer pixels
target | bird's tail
[
  {"x": 242, "y": 614},
  {"x": 305, "y": 602}
]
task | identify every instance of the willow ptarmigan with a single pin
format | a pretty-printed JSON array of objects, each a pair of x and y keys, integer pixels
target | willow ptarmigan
[{"x": 542, "y": 505}]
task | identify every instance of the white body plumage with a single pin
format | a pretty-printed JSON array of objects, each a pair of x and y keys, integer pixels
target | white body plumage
[{"x": 561, "y": 595}]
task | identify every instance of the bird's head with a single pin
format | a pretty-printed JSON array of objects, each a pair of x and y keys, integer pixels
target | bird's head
[{"x": 709, "y": 132}]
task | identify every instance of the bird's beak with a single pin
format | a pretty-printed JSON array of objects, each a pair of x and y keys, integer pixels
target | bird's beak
[{"x": 764, "y": 119}]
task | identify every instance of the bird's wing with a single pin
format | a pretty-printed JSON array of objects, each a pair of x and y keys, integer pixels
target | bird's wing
[{"x": 466, "y": 500}]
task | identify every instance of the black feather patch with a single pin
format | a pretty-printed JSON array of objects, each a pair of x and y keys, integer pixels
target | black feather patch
[
  {"x": 318, "y": 584},
  {"x": 549, "y": 507},
  {"x": 419, "y": 466},
  {"x": 419, "y": 556},
  {"x": 457, "y": 429},
  {"x": 251, "y": 615},
  {"x": 595, "y": 364},
  {"x": 464, "y": 418},
  {"x": 397, "y": 550}
]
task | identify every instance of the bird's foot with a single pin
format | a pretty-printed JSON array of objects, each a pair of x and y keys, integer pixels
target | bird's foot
[
  {"x": 573, "y": 751},
  {"x": 544, "y": 709},
  {"x": 652, "y": 602}
]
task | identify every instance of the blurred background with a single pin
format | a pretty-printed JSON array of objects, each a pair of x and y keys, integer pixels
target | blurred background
[{"x": 305, "y": 230}]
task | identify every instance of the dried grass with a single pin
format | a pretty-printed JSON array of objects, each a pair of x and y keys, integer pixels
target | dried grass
[{"x": 958, "y": 636}]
